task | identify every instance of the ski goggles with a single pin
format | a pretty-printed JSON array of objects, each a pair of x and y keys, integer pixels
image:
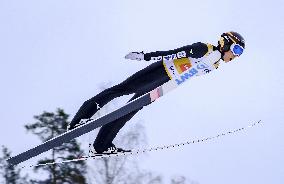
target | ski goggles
[{"x": 236, "y": 49}]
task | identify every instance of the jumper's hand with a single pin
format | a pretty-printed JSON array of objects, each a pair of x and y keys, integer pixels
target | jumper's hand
[{"x": 135, "y": 56}]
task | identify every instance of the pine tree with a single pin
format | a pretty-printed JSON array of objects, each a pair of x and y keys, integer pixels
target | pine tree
[
  {"x": 10, "y": 174},
  {"x": 47, "y": 126}
]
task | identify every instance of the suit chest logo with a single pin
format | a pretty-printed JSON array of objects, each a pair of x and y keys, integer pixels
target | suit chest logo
[{"x": 181, "y": 54}]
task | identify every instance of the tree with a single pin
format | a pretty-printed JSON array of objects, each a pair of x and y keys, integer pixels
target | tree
[
  {"x": 10, "y": 174},
  {"x": 47, "y": 126}
]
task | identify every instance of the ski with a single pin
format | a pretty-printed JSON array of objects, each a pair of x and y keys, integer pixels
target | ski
[
  {"x": 145, "y": 150},
  {"x": 136, "y": 104},
  {"x": 82, "y": 158}
]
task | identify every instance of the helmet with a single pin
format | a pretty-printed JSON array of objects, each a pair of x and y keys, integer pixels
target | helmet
[{"x": 232, "y": 40}]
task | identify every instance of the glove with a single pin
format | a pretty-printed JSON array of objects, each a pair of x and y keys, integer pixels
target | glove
[{"x": 135, "y": 56}]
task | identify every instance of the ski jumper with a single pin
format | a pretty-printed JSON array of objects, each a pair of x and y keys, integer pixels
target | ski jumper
[{"x": 169, "y": 65}]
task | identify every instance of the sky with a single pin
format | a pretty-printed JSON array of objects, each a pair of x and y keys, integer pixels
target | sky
[{"x": 57, "y": 53}]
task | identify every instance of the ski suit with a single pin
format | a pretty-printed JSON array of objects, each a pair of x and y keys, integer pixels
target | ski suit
[{"x": 168, "y": 65}]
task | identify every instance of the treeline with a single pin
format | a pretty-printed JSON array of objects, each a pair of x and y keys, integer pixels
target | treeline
[{"x": 118, "y": 170}]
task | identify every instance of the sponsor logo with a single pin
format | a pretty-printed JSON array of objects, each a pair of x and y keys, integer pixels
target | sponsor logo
[
  {"x": 181, "y": 54},
  {"x": 159, "y": 58},
  {"x": 202, "y": 66},
  {"x": 182, "y": 64},
  {"x": 186, "y": 76},
  {"x": 190, "y": 73},
  {"x": 184, "y": 67}
]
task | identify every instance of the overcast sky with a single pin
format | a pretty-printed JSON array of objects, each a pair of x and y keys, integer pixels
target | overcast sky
[{"x": 56, "y": 54}]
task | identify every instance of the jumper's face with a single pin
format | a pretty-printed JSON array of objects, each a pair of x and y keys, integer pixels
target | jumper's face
[{"x": 228, "y": 56}]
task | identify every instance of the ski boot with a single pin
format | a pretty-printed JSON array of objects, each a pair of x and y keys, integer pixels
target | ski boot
[{"x": 110, "y": 150}]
